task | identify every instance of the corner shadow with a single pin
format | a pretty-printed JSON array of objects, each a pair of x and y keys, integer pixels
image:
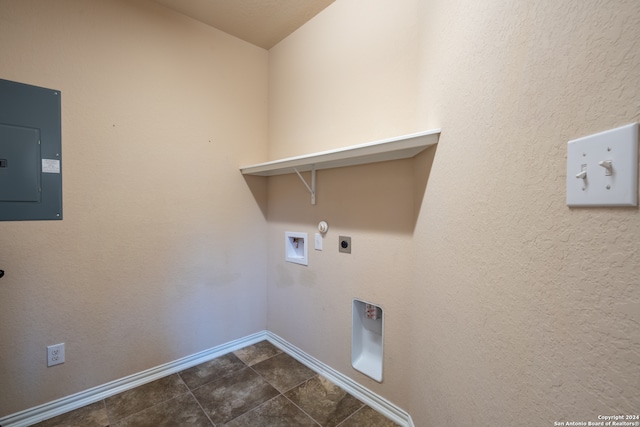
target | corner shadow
[
  {"x": 422, "y": 164},
  {"x": 258, "y": 187}
]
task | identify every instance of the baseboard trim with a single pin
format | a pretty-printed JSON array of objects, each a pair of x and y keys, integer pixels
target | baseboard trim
[
  {"x": 362, "y": 393},
  {"x": 57, "y": 407}
]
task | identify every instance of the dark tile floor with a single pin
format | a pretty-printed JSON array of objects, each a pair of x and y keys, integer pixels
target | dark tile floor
[{"x": 257, "y": 386}]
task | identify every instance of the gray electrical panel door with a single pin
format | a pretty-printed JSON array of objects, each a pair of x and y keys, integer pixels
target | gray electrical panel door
[{"x": 30, "y": 153}]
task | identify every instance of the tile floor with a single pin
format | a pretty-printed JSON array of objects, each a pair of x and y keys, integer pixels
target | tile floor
[{"x": 257, "y": 386}]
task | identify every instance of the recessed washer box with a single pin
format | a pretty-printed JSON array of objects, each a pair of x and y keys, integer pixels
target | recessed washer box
[
  {"x": 30, "y": 153},
  {"x": 367, "y": 338},
  {"x": 296, "y": 248}
]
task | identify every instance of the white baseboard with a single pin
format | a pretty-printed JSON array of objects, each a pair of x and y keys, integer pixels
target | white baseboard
[
  {"x": 365, "y": 395},
  {"x": 57, "y": 407}
]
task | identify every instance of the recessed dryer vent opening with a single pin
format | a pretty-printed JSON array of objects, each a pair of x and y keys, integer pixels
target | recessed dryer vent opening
[
  {"x": 295, "y": 247},
  {"x": 367, "y": 339}
]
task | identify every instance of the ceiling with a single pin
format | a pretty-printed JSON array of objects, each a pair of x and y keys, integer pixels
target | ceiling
[{"x": 261, "y": 22}]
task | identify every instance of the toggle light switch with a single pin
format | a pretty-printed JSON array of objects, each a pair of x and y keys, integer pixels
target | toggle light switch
[
  {"x": 606, "y": 165},
  {"x": 583, "y": 172}
]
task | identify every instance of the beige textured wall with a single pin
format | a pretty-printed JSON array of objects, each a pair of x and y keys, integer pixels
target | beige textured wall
[
  {"x": 161, "y": 250},
  {"x": 503, "y": 306},
  {"x": 348, "y": 76}
]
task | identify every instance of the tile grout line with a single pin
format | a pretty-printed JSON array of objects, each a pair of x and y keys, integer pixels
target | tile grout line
[
  {"x": 104, "y": 405},
  {"x": 144, "y": 409},
  {"x": 201, "y": 408},
  {"x": 282, "y": 393},
  {"x": 224, "y": 376},
  {"x": 252, "y": 409},
  {"x": 352, "y": 415},
  {"x": 148, "y": 407},
  {"x": 70, "y": 403},
  {"x": 374, "y": 401},
  {"x": 196, "y": 399},
  {"x": 317, "y": 374},
  {"x": 316, "y": 421},
  {"x": 280, "y": 351},
  {"x": 303, "y": 411}
]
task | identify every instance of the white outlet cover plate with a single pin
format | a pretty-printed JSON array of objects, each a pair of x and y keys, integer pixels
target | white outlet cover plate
[
  {"x": 55, "y": 354},
  {"x": 620, "y": 188}
]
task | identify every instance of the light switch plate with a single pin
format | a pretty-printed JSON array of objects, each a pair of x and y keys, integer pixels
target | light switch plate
[{"x": 602, "y": 186}]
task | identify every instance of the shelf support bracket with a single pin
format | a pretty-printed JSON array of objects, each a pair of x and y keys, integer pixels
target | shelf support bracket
[{"x": 311, "y": 189}]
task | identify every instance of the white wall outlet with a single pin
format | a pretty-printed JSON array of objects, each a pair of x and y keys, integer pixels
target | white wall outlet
[
  {"x": 602, "y": 169},
  {"x": 55, "y": 354}
]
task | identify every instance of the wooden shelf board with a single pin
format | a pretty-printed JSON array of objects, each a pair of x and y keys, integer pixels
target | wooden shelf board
[{"x": 401, "y": 147}]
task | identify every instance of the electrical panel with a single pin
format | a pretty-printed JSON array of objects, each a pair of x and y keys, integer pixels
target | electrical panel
[{"x": 30, "y": 153}]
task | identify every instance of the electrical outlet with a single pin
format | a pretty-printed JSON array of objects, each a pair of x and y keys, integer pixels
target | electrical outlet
[
  {"x": 344, "y": 244},
  {"x": 55, "y": 354}
]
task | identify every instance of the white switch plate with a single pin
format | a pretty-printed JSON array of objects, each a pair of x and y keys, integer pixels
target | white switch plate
[
  {"x": 600, "y": 187},
  {"x": 318, "y": 242}
]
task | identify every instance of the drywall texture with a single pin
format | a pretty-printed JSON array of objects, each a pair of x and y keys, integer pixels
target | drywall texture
[
  {"x": 161, "y": 250},
  {"x": 502, "y": 305},
  {"x": 348, "y": 76}
]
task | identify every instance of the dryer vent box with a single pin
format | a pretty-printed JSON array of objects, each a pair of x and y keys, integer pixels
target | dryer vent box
[{"x": 30, "y": 153}]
